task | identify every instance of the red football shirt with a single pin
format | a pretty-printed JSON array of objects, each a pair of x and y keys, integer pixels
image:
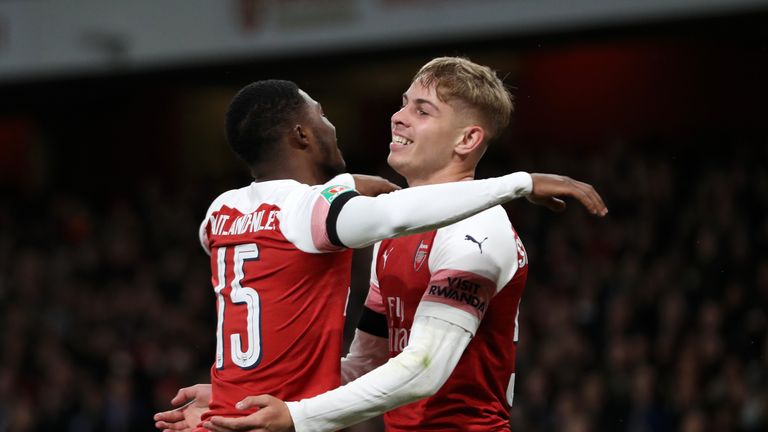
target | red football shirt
[
  {"x": 471, "y": 273},
  {"x": 280, "y": 298}
]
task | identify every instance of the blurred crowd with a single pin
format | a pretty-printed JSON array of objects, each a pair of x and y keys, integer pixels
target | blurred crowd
[
  {"x": 655, "y": 318},
  {"x": 106, "y": 309},
  {"x": 652, "y": 319}
]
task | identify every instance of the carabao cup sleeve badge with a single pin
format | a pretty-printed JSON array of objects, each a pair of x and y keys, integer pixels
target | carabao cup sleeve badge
[{"x": 331, "y": 192}]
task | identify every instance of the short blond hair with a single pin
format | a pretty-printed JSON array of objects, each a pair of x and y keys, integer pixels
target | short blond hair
[{"x": 457, "y": 78}]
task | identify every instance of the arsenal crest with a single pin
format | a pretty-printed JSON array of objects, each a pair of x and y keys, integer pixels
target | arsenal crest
[{"x": 421, "y": 255}]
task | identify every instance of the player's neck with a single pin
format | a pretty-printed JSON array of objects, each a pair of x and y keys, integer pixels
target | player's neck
[
  {"x": 442, "y": 176},
  {"x": 290, "y": 169}
]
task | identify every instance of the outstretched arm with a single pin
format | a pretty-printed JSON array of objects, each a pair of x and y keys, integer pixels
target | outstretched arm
[
  {"x": 357, "y": 221},
  {"x": 333, "y": 216}
]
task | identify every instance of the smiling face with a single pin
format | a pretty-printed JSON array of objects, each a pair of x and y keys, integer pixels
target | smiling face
[
  {"x": 425, "y": 132},
  {"x": 452, "y": 109}
]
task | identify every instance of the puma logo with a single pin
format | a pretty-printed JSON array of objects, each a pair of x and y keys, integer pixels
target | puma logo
[{"x": 479, "y": 243}]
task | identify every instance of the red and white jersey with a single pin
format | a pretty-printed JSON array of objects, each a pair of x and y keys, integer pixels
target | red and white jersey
[
  {"x": 472, "y": 274},
  {"x": 280, "y": 299}
]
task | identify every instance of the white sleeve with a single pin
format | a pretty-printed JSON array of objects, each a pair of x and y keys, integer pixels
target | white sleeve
[
  {"x": 304, "y": 213},
  {"x": 434, "y": 348},
  {"x": 366, "y": 353},
  {"x": 365, "y": 220}
]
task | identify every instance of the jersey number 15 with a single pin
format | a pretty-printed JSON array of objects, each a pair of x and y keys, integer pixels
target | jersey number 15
[{"x": 239, "y": 295}]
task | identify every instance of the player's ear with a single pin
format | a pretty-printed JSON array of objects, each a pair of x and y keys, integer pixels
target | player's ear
[
  {"x": 300, "y": 136},
  {"x": 472, "y": 137}
]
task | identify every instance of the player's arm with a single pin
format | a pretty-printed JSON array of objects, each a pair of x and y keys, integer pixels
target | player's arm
[
  {"x": 366, "y": 353},
  {"x": 333, "y": 216},
  {"x": 434, "y": 349},
  {"x": 356, "y": 221}
]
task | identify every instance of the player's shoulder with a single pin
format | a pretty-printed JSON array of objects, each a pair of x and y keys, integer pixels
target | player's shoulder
[
  {"x": 299, "y": 194},
  {"x": 483, "y": 244},
  {"x": 232, "y": 195},
  {"x": 247, "y": 198},
  {"x": 336, "y": 186},
  {"x": 489, "y": 230},
  {"x": 491, "y": 221},
  {"x": 228, "y": 198}
]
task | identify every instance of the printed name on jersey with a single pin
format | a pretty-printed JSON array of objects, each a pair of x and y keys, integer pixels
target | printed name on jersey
[
  {"x": 460, "y": 290},
  {"x": 260, "y": 220},
  {"x": 420, "y": 256},
  {"x": 331, "y": 192}
]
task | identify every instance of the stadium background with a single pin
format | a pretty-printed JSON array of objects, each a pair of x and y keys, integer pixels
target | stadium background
[{"x": 653, "y": 319}]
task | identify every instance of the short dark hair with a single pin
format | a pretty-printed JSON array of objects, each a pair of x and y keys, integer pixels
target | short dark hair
[{"x": 259, "y": 115}]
